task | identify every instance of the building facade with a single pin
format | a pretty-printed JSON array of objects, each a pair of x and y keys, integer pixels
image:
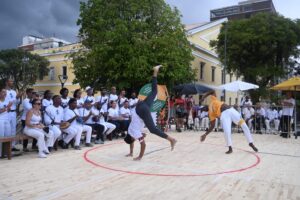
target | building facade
[
  {"x": 244, "y": 9},
  {"x": 60, "y": 68},
  {"x": 210, "y": 71}
]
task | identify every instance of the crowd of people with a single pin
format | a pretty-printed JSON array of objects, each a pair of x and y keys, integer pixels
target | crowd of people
[
  {"x": 53, "y": 119},
  {"x": 269, "y": 117}
]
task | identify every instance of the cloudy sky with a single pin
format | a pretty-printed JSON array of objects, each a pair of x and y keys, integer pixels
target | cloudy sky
[{"x": 58, "y": 17}]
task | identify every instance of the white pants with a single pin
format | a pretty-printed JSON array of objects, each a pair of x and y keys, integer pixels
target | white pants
[
  {"x": 108, "y": 127},
  {"x": 5, "y": 131},
  {"x": 217, "y": 123},
  {"x": 88, "y": 131},
  {"x": 276, "y": 123},
  {"x": 13, "y": 123},
  {"x": 39, "y": 135},
  {"x": 205, "y": 122},
  {"x": 197, "y": 123},
  {"x": 231, "y": 115},
  {"x": 250, "y": 124},
  {"x": 74, "y": 131},
  {"x": 56, "y": 133}
]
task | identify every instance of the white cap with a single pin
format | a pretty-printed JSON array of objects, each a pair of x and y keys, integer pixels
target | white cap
[{"x": 88, "y": 88}]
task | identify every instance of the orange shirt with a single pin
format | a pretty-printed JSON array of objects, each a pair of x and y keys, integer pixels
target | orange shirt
[{"x": 214, "y": 109}]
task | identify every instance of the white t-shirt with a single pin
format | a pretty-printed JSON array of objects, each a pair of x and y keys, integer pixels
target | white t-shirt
[
  {"x": 133, "y": 102},
  {"x": 113, "y": 112},
  {"x": 125, "y": 111},
  {"x": 272, "y": 114},
  {"x": 103, "y": 101},
  {"x": 11, "y": 96},
  {"x": 121, "y": 101},
  {"x": 136, "y": 126},
  {"x": 261, "y": 112},
  {"x": 203, "y": 114},
  {"x": 69, "y": 114},
  {"x": 80, "y": 102},
  {"x": 53, "y": 113},
  {"x": 247, "y": 113},
  {"x": 26, "y": 106},
  {"x": 95, "y": 111},
  {"x": 89, "y": 98},
  {"x": 112, "y": 97},
  {"x": 46, "y": 103},
  {"x": 287, "y": 110},
  {"x": 64, "y": 102},
  {"x": 83, "y": 112},
  {"x": 4, "y": 115}
]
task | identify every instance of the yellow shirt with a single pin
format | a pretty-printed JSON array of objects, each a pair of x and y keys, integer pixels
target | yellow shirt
[{"x": 214, "y": 109}]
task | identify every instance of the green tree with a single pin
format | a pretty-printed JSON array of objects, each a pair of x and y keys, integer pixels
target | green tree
[
  {"x": 123, "y": 39},
  {"x": 258, "y": 48},
  {"x": 22, "y": 66}
]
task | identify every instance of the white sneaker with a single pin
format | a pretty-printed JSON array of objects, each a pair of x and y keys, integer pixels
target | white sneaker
[
  {"x": 42, "y": 155},
  {"x": 46, "y": 151}
]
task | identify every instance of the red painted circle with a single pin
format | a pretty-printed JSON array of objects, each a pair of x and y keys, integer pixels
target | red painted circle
[{"x": 160, "y": 174}]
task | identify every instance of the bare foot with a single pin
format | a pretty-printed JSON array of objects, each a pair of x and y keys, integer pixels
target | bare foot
[
  {"x": 129, "y": 155},
  {"x": 173, "y": 142},
  {"x": 137, "y": 158},
  {"x": 156, "y": 68},
  {"x": 253, "y": 147}
]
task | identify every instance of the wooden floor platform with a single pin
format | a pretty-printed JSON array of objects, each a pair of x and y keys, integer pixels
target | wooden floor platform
[{"x": 193, "y": 170}]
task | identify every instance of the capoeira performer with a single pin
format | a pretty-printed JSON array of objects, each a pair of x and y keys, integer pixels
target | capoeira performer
[
  {"x": 227, "y": 115},
  {"x": 141, "y": 116}
]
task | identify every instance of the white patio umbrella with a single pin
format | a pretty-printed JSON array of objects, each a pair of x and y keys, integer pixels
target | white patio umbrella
[{"x": 237, "y": 86}]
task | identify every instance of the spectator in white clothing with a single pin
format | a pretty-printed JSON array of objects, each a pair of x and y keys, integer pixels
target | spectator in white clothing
[
  {"x": 121, "y": 99},
  {"x": 112, "y": 96},
  {"x": 288, "y": 105},
  {"x": 272, "y": 117},
  {"x": 53, "y": 117},
  {"x": 35, "y": 128},
  {"x": 204, "y": 120},
  {"x": 75, "y": 130},
  {"x": 125, "y": 115},
  {"x": 89, "y": 95},
  {"x": 13, "y": 97},
  {"x": 114, "y": 118},
  {"x": 77, "y": 96},
  {"x": 133, "y": 101},
  {"x": 26, "y": 105},
  {"x": 92, "y": 121},
  {"x": 47, "y": 100},
  {"x": 64, "y": 92},
  {"x": 4, "y": 117},
  {"x": 108, "y": 127},
  {"x": 103, "y": 101}
]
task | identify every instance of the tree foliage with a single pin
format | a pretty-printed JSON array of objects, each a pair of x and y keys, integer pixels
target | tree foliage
[
  {"x": 123, "y": 39},
  {"x": 22, "y": 66},
  {"x": 259, "y": 48}
]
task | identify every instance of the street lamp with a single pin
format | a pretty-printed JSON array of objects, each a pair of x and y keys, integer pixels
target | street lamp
[
  {"x": 62, "y": 79},
  {"x": 25, "y": 60}
]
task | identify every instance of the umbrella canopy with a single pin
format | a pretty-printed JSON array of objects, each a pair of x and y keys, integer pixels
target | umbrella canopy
[
  {"x": 192, "y": 88},
  {"x": 292, "y": 84},
  {"x": 236, "y": 86}
]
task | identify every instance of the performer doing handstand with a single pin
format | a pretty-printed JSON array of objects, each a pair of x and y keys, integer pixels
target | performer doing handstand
[{"x": 141, "y": 116}]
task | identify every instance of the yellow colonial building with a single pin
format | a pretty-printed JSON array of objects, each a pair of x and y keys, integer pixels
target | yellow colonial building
[
  {"x": 210, "y": 71},
  {"x": 60, "y": 68}
]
